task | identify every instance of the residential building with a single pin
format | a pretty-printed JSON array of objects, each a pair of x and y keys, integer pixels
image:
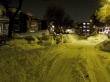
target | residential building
[
  {"x": 4, "y": 21},
  {"x": 24, "y": 21},
  {"x": 83, "y": 28}
]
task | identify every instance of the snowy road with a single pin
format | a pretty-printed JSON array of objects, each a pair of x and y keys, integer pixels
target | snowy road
[
  {"x": 78, "y": 60},
  {"x": 76, "y": 64}
]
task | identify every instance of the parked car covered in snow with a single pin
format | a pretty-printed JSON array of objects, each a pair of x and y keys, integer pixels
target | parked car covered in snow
[{"x": 70, "y": 31}]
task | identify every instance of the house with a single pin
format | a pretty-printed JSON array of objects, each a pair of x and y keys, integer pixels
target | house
[
  {"x": 33, "y": 23},
  {"x": 4, "y": 21},
  {"x": 24, "y": 22}
]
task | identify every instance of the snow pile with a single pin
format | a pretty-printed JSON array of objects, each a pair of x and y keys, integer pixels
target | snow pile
[
  {"x": 66, "y": 38},
  {"x": 97, "y": 38},
  {"x": 31, "y": 39},
  {"x": 72, "y": 37},
  {"x": 23, "y": 44},
  {"x": 83, "y": 37},
  {"x": 105, "y": 46},
  {"x": 17, "y": 41},
  {"x": 19, "y": 65},
  {"x": 47, "y": 40},
  {"x": 16, "y": 35}
]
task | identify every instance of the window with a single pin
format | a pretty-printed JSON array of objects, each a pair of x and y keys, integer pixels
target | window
[
  {"x": 84, "y": 26},
  {"x": 0, "y": 29},
  {"x": 17, "y": 16},
  {"x": 87, "y": 26},
  {"x": 16, "y": 28},
  {"x": 84, "y": 23},
  {"x": 16, "y": 21},
  {"x": 88, "y": 23},
  {"x": 88, "y": 30}
]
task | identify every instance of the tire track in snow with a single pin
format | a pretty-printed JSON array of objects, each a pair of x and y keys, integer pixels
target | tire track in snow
[
  {"x": 97, "y": 71},
  {"x": 60, "y": 69},
  {"x": 76, "y": 64}
]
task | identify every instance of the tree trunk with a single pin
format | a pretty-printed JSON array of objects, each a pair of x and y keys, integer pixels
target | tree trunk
[{"x": 11, "y": 26}]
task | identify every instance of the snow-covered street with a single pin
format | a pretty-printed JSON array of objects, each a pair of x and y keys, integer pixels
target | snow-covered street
[
  {"x": 77, "y": 64},
  {"x": 78, "y": 61}
]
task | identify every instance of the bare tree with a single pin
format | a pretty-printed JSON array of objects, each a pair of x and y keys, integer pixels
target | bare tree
[{"x": 11, "y": 16}]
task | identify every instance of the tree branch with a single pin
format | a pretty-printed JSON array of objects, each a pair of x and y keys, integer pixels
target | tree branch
[{"x": 18, "y": 8}]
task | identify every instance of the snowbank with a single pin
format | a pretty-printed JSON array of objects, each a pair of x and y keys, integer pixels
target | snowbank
[
  {"x": 19, "y": 65},
  {"x": 66, "y": 38},
  {"x": 105, "y": 46},
  {"x": 97, "y": 38}
]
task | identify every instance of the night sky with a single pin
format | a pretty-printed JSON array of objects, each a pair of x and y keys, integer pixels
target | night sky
[{"x": 79, "y": 10}]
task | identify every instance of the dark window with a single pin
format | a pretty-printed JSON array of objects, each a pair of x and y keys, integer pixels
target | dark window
[
  {"x": 16, "y": 28},
  {"x": 16, "y": 21}
]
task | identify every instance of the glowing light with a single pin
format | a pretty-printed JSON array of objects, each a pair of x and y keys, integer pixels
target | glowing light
[
  {"x": 84, "y": 23},
  {"x": 88, "y": 30},
  {"x": 32, "y": 31},
  {"x": 53, "y": 26},
  {"x": 84, "y": 26},
  {"x": 84, "y": 30},
  {"x": 88, "y": 23}
]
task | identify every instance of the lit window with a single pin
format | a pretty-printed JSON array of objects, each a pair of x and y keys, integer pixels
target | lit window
[
  {"x": 84, "y": 26},
  {"x": 88, "y": 23},
  {"x": 84, "y": 30},
  {"x": 88, "y": 30},
  {"x": 84, "y": 23}
]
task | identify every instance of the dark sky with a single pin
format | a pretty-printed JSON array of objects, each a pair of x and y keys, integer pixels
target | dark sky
[{"x": 79, "y": 10}]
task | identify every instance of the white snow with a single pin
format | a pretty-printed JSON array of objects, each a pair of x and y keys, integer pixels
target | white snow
[{"x": 68, "y": 58}]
